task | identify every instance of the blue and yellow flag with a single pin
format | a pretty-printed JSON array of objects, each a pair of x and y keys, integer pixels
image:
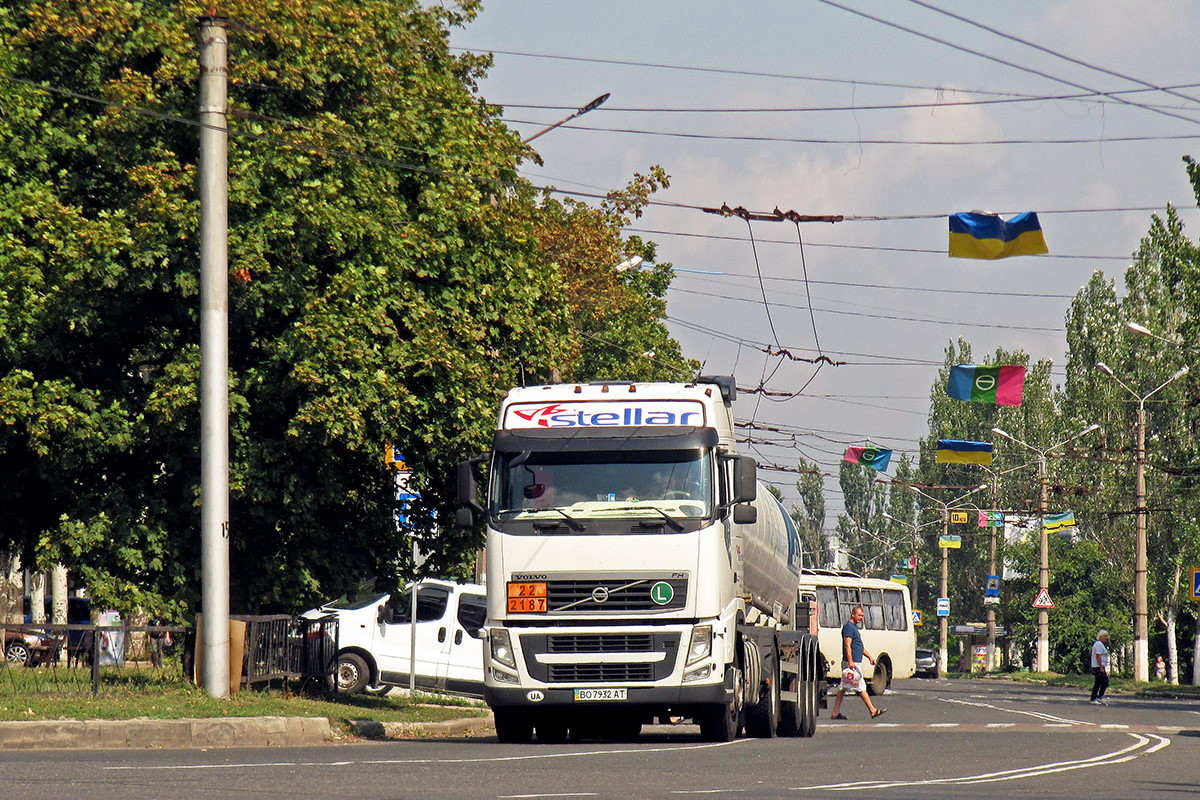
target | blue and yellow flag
[
  {"x": 977, "y": 235},
  {"x": 958, "y": 451},
  {"x": 1058, "y": 522}
]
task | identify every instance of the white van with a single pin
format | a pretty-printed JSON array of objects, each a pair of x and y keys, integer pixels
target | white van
[
  {"x": 376, "y": 638},
  {"x": 887, "y": 630}
]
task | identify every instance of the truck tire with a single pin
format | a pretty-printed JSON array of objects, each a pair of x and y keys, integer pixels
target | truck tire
[
  {"x": 722, "y": 722},
  {"x": 880, "y": 680},
  {"x": 810, "y": 674},
  {"x": 353, "y": 674},
  {"x": 762, "y": 719},
  {"x": 512, "y": 726}
]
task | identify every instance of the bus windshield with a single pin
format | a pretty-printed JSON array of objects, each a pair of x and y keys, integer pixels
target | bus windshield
[{"x": 603, "y": 484}]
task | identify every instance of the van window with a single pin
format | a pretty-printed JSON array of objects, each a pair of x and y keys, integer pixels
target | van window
[
  {"x": 431, "y": 604},
  {"x": 893, "y": 610},
  {"x": 472, "y": 614}
]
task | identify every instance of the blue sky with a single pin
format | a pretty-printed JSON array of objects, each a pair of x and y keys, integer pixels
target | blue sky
[{"x": 884, "y": 295}]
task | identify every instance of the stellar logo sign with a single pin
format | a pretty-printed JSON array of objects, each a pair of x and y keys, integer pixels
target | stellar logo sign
[{"x": 607, "y": 414}]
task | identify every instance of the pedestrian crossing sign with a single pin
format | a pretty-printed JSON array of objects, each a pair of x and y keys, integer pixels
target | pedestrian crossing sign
[
  {"x": 1196, "y": 584},
  {"x": 917, "y": 616}
]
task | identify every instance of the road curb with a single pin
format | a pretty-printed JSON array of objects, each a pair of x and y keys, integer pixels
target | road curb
[
  {"x": 104, "y": 734},
  {"x": 465, "y": 726}
]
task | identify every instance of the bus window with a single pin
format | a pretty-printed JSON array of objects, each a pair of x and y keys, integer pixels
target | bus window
[
  {"x": 893, "y": 610},
  {"x": 847, "y": 600},
  {"x": 827, "y": 607},
  {"x": 872, "y": 602}
]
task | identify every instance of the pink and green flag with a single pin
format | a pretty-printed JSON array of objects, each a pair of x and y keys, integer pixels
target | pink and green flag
[
  {"x": 1000, "y": 385},
  {"x": 874, "y": 457}
]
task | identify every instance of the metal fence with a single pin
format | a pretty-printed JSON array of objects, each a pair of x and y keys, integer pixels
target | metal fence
[{"x": 82, "y": 658}]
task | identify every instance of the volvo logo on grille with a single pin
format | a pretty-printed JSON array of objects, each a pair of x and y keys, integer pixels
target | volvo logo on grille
[{"x": 600, "y": 594}]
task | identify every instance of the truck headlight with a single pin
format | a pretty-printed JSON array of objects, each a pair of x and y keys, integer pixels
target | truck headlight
[
  {"x": 501, "y": 646},
  {"x": 700, "y": 647}
]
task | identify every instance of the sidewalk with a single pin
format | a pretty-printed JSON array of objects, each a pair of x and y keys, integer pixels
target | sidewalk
[{"x": 104, "y": 734}]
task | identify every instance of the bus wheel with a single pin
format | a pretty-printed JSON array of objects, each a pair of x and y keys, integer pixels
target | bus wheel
[{"x": 880, "y": 680}]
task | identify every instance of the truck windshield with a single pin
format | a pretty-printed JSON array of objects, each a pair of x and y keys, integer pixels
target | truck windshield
[{"x": 604, "y": 484}]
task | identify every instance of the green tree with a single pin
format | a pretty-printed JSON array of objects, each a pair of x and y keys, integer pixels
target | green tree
[
  {"x": 809, "y": 515},
  {"x": 387, "y": 285}
]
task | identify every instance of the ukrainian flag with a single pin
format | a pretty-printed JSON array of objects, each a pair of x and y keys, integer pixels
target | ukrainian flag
[
  {"x": 957, "y": 451},
  {"x": 976, "y": 235}
]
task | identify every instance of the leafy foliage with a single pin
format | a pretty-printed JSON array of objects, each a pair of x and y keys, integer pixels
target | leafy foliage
[{"x": 390, "y": 277}]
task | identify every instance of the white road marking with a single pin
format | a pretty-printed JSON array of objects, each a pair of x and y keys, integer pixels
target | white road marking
[
  {"x": 382, "y": 761},
  {"x": 1136, "y": 750}
]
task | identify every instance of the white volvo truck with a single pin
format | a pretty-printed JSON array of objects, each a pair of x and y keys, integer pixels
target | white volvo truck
[{"x": 636, "y": 570}]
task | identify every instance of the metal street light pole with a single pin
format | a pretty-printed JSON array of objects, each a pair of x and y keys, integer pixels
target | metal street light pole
[
  {"x": 1141, "y": 646},
  {"x": 915, "y": 547},
  {"x": 943, "y": 622},
  {"x": 592, "y": 106},
  {"x": 1043, "y": 641}
]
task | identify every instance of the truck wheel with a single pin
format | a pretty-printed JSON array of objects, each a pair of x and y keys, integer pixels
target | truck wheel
[
  {"x": 810, "y": 674},
  {"x": 722, "y": 722},
  {"x": 353, "y": 674},
  {"x": 512, "y": 726},
  {"x": 880, "y": 680},
  {"x": 763, "y": 718}
]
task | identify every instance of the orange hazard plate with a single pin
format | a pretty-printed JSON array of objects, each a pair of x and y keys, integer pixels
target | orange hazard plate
[{"x": 527, "y": 598}]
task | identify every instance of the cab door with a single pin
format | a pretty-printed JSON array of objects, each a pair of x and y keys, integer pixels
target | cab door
[
  {"x": 395, "y": 636},
  {"x": 462, "y": 670}
]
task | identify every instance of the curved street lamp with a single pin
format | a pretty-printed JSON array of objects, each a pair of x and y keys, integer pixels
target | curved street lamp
[
  {"x": 1043, "y": 641},
  {"x": 1141, "y": 647},
  {"x": 592, "y": 106}
]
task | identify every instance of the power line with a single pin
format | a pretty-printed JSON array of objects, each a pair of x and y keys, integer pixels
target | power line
[
  {"x": 996, "y": 59},
  {"x": 1075, "y": 140},
  {"x": 1056, "y": 54}
]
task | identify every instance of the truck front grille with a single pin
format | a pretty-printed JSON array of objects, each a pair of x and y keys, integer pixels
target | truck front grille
[
  {"x": 600, "y": 673},
  {"x": 599, "y": 643},
  {"x": 580, "y": 657},
  {"x": 576, "y": 596}
]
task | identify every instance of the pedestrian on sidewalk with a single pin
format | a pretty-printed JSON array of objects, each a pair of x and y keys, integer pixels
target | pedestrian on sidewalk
[
  {"x": 852, "y": 678},
  {"x": 1100, "y": 668}
]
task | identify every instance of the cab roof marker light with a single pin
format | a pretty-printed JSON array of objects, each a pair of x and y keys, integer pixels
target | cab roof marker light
[
  {"x": 632, "y": 388},
  {"x": 604, "y": 389},
  {"x": 578, "y": 389}
]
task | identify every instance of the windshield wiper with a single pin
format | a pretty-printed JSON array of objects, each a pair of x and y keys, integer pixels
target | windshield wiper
[
  {"x": 571, "y": 521},
  {"x": 674, "y": 523}
]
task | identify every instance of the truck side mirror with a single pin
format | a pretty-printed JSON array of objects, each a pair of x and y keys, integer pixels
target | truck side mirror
[
  {"x": 387, "y": 615},
  {"x": 469, "y": 510},
  {"x": 745, "y": 514},
  {"x": 745, "y": 480}
]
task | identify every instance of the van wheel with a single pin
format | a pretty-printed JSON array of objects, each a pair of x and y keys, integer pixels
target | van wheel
[
  {"x": 880, "y": 680},
  {"x": 353, "y": 674}
]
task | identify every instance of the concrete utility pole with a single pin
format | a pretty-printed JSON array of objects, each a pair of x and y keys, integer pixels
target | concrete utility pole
[
  {"x": 1141, "y": 645},
  {"x": 214, "y": 355}
]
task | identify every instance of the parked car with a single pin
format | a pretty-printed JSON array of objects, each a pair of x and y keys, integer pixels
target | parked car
[
  {"x": 20, "y": 641},
  {"x": 927, "y": 663},
  {"x": 376, "y": 638}
]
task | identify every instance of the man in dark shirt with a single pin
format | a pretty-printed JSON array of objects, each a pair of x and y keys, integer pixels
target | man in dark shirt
[{"x": 852, "y": 678}]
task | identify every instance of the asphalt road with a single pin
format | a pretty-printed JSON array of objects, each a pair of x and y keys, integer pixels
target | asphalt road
[{"x": 939, "y": 739}]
